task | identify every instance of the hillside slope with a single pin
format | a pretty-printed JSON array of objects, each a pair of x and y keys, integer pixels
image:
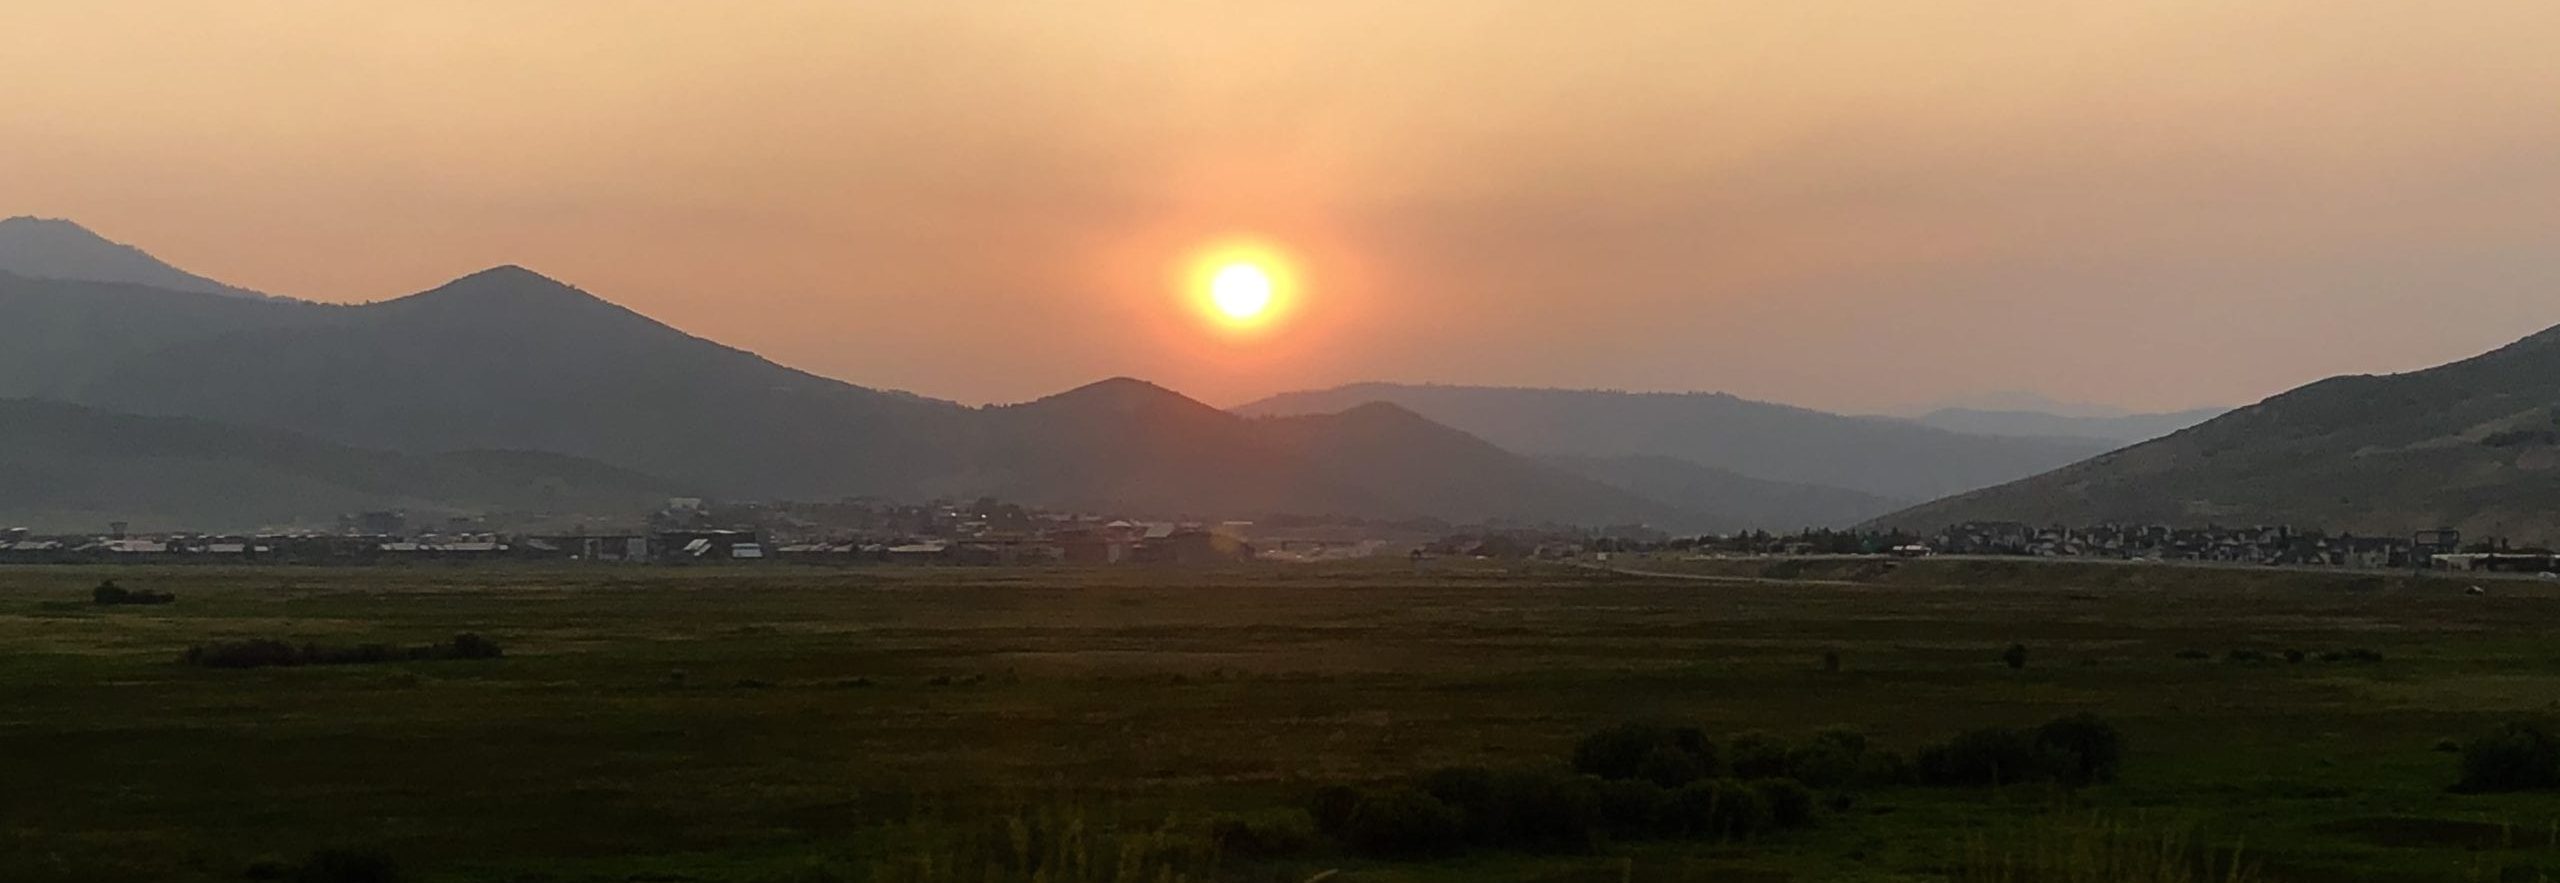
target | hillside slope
[
  {"x": 1724, "y": 501},
  {"x": 70, "y": 468},
  {"x": 2473, "y": 445},
  {"x": 52, "y": 248},
  {"x": 508, "y": 359},
  {"x": 1871, "y": 455}
]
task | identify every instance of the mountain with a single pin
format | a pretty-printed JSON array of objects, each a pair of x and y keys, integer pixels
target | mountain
[
  {"x": 57, "y": 249},
  {"x": 2119, "y": 429},
  {"x": 1876, "y": 456},
  {"x": 2021, "y": 400},
  {"x": 2473, "y": 445},
  {"x": 509, "y": 359},
  {"x": 68, "y": 468},
  {"x": 1125, "y": 445},
  {"x": 506, "y": 358},
  {"x": 1426, "y": 469},
  {"x": 1724, "y": 501}
]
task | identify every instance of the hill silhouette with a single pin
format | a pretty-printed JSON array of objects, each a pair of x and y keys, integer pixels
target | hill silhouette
[
  {"x": 2119, "y": 429},
  {"x": 70, "y": 468},
  {"x": 2473, "y": 445},
  {"x": 509, "y": 359},
  {"x": 52, "y": 248},
  {"x": 1875, "y": 456},
  {"x": 1725, "y": 501}
]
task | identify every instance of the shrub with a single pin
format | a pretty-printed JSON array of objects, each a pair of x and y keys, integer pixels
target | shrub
[
  {"x": 1716, "y": 809},
  {"x": 1790, "y": 803},
  {"x": 1529, "y": 810},
  {"x": 2246, "y": 656},
  {"x": 1646, "y": 751},
  {"x": 2015, "y": 656},
  {"x": 108, "y": 593},
  {"x": 1630, "y": 807},
  {"x": 1262, "y": 838},
  {"x": 1332, "y": 807},
  {"x": 347, "y": 866},
  {"x": 268, "y": 652},
  {"x": 2518, "y": 757},
  {"x": 2293, "y": 656},
  {"x": 1543, "y": 812},
  {"x": 1757, "y": 756},
  {"x": 2078, "y": 750},
  {"x": 2194, "y": 655},
  {"x": 2087, "y": 749},
  {"x": 472, "y": 645},
  {"x": 1402, "y": 823},
  {"x": 253, "y": 653},
  {"x": 1993, "y": 756},
  {"x": 1886, "y": 768}
]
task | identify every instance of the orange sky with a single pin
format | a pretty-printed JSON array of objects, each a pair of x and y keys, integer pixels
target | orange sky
[{"x": 1843, "y": 205}]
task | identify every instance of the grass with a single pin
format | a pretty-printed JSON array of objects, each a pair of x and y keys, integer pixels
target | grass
[{"x": 759, "y": 723}]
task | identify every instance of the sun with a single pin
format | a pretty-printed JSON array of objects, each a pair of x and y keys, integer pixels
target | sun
[
  {"x": 1241, "y": 291},
  {"x": 1242, "y": 285}
]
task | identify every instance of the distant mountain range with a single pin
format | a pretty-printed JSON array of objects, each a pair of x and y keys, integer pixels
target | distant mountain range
[
  {"x": 136, "y": 391},
  {"x": 2121, "y": 429},
  {"x": 1883, "y": 458},
  {"x": 2473, "y": 445},
  {"x": 507, "y": 359}
]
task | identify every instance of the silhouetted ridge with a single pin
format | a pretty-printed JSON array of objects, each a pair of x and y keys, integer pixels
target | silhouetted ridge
[
  {"x": 2473, "y": 445},
  {"x": 53, "y": 248}
]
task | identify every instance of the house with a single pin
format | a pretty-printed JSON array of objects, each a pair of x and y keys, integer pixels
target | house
[
  {"x": 1193, "y": 547},
  {"x": 683, "y": 546},
  {"x": 933, "y": 552}
]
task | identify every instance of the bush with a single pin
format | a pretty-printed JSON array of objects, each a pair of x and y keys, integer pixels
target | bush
[
  {"x": 1665, "y": 755},
  {"x": 1332, "y": 807},
  {"x": 2518, "y": 757},
  {"x": 1757, "y": 756},
  {"x": 1630, "y": 807},
  {"x": 2089, "y": 750},
  {"x": 1403, "y": 823},
  {"x": 347, "y": 866},
  {"x": 1790, "y": 803},
  {"x": 472, "y": 645},
  {"x": 108, "y": 593},
  {"x": 1717, "y": 809},
  {"x": 253, "y": 653},
  {"x": 2082, "y": 749},
  {"x": 2015, "y": 656},
  {"x": 268, "y": 652},
  {"x": 1262, "y": 838},
  {"x": 2194, "y": 654},
  {"x": 1992, "y": 756},
  {"x": 1527, "y": 810},
  {"x": 2246, "y": 656}
]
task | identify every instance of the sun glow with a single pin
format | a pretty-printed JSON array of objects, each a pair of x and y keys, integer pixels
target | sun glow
[
  {"x": 1242, "y": 291},
  {"x": 1243, "y": 285}
]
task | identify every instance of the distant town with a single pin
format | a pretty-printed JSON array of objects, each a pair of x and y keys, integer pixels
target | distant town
[{"x": 990, "y": 532}]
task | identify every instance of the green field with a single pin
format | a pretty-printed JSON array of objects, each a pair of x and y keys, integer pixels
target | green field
[{"x": 807, "y": 724}]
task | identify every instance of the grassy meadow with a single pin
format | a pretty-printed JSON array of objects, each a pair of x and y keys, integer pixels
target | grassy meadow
[{"x": 790, "y": 724}]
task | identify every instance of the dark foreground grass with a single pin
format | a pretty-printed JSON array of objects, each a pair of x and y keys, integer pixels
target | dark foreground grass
[{"x": 895, "y": 724}]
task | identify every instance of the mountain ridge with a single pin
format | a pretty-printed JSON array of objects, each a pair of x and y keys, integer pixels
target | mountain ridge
[
  {"x": 57, "y": 248},
  {"x": 2472, "y": 444},
  {"x": 1878, "y": 456}
]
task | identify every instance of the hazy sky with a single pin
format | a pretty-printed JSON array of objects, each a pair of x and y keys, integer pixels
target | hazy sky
[{"x": 1843, "y": 205}]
